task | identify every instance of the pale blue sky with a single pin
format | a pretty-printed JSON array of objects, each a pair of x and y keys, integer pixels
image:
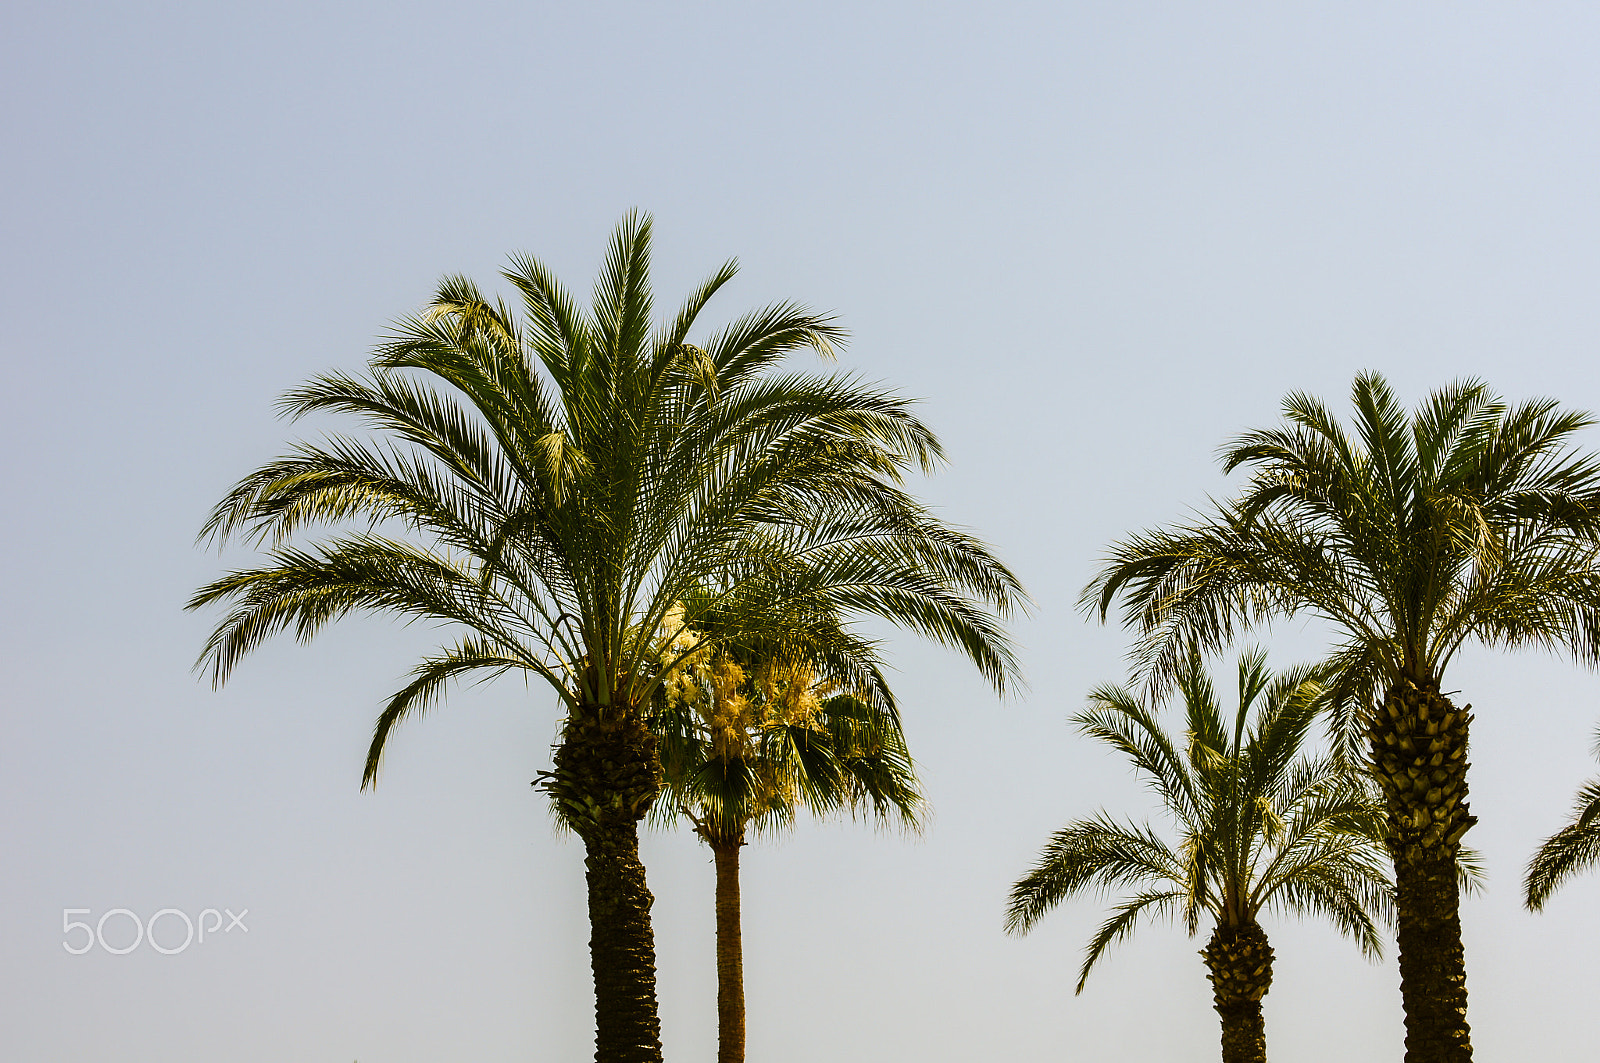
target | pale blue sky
[{"x": 1097, "y": 239}]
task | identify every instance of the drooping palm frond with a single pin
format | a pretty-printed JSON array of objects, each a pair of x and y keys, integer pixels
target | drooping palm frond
[
  {"x": 428, "y": 681},
  {"x": 1096, "y": 853},
  {"x": 1573, "y": 849},
  {"x": 1124, "y": 918}
]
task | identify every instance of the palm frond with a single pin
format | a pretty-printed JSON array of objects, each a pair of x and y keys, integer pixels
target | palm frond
[
  {"x": 1092, "y": 853},
  {"x": 1124, "y": 918},
  {"x": 428, "y": 681},
  {"x": 1573, "y": 849}
]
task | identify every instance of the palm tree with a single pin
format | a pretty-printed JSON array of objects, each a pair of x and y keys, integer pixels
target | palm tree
[
  {"x": 550, "y": 488},
  {"x": 1573, "y": 848},
  {"x": 748, "y": 736},
  {"x": 1262, "y": 826},
  {"x": 1465, "y": 521}
]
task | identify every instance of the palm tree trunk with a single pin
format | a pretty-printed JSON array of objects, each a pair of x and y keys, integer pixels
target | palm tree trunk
[
  {"x": 606, "y": 775},
  {"x": 1419, "y": 746},
  {"x": 621, "y": 949},
  {"x": 1240, "y": 963},
  {"x": 730, "y": 955}
]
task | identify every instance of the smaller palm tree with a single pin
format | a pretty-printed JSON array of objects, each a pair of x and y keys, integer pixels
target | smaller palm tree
[
  {"x": 1263, "y": 825},
  {"x": 748, "y": 734},
  {"x": 1573, "y": 848}
]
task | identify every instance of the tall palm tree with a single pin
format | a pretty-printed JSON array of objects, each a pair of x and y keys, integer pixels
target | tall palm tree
[
  {"x": 550, "y": 487},
  {"x": 1573, "y": 848},
  {"x": 1262, "y": 825},
  {"x": 748, "y": 737},
  {"x": 1466, "y": 521}
]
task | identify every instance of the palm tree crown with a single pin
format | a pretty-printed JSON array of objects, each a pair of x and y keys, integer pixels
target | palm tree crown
[
  {"x": 565, "y": 512},
  {"x": 750, "y": 734},
  {"x": 1262, "y": 826},
  {"x": 1471, "y": 520},
  {"x": 551, "y": 487}
]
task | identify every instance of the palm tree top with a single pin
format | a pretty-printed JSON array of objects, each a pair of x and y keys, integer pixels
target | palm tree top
[
  {"x": 1412, "y": 533},
  {"x": 751, "y": 732},
  {"x": 554, "y": 483}
]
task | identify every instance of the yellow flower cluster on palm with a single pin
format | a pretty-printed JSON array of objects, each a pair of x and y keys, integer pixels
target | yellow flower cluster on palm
[{"x": 736, "y": 711}]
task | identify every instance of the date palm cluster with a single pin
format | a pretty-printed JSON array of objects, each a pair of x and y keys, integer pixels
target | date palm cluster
[
  {"x": 1419, "y": 746},
  {"x": 678, "y": 538}
]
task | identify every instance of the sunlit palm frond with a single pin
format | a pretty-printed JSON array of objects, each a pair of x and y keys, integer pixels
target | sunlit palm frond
[{"x": 428, "y": 680}]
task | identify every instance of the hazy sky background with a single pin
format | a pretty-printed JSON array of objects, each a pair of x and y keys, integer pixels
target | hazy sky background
[{"x": 1096, "y": 239}]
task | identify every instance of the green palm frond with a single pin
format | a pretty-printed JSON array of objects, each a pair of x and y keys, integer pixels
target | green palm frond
[
  {"x": 428, "y": 681},
  {"x": 307, "y": 589},
  {"x": 1573, "y": 849},
  {"x": 1124, "y": 918},
  {"x": 1093, "y": 853},
  {"x": 1345, "y": 900},
  {"x": 1119, "y": 719}
]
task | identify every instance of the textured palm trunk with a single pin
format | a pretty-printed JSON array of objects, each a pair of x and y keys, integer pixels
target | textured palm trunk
[
  {"x": 1239, "y": 960},
  {"x": 1419, "y": 747},
  {"x": 730, "y": 955},
  {"x": 606, "y": 775}
]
